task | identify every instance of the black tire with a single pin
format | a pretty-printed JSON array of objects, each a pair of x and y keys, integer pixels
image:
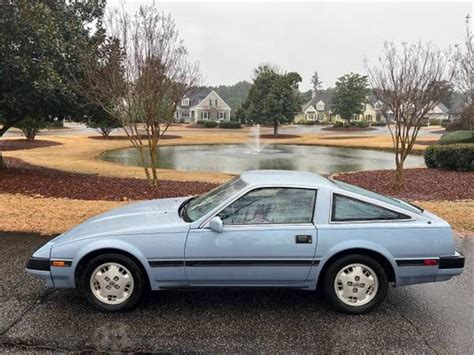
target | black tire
[
  {"x": 139, "y": 283},
  {"x": 333, "y": 270}
]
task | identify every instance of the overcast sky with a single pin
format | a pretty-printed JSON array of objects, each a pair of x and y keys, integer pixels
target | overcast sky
[{"x": 230, "y": 39}]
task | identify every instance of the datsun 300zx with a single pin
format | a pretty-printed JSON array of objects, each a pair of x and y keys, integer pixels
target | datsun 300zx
[{"x": 280, "y": 229}]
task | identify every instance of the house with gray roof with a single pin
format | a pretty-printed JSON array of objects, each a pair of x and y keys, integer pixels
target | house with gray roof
[
  {"x": 202, "y": 104},
  {"x": 319, "y": 109}
]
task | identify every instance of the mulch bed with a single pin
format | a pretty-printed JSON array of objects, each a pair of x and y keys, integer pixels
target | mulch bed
[
  {"x": 23, "y": 178},
  {"x": 279, "y": 136},
  {"x": 350, "y": 129},
  {"x": 114, "y": 138},
  {"x": 19, "y": 144},
  {"x": 420, "y": 184}
]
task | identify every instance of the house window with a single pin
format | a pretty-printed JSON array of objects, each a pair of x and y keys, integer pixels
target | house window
[
  {"x": 271, "y": 206},
  {"x": 311, "y": 116},
  {"x": 184, "y": 114},
  {"x": 185, "y": 102},
  {"x": 320, "y": 106},
  {"x": 320, "y": 117},
  {"x": 368, "y": 118},
  {"x": 216, "y": 102},
  {"x": 210, "y": 102},
  {"x": 345, "y": 208},
  {"x": 221, "y": 115},
  {"x": 204, "y": 115}
]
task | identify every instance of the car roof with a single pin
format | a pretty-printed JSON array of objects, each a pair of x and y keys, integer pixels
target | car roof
[{"x": 284, "y": 177}]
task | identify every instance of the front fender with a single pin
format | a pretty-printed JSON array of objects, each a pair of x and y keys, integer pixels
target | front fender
[{"x": 64, "y": 277}]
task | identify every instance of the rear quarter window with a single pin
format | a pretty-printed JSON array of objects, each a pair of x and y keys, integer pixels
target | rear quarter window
[{"x": 346, "y": 209}]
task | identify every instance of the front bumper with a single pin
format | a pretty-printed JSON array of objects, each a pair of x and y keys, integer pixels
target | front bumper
[{"x": 40, "y": 268}]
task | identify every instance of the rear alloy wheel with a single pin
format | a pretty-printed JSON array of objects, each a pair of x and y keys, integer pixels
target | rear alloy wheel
[
  {"x": 355, "y": 284},
  {"x": 112, "y": 282}
]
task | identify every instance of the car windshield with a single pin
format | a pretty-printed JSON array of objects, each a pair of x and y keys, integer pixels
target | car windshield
[
  {"x": 200, "y": 206},
  {"x": 392, "y": 201}
]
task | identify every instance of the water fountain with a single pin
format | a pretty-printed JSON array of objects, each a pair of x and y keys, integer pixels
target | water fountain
[{"x": 256, "y": 145}]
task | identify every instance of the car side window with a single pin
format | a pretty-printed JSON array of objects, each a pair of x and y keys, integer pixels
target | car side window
[
  {"x": 345, "y": 208},
  {"x": 271, "y": 206}
]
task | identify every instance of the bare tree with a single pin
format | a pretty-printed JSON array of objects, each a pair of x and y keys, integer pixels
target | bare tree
[
  {"x": 464, "y": 77},
  {"x": 138, "y": 76},
  {"x": 410, "y": 80}
]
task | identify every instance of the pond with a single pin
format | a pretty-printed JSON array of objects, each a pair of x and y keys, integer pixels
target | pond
[{"x": 235, "y": 158}]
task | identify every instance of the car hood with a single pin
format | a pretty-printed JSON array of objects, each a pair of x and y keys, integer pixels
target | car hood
[{"x": 154, "y": 216}]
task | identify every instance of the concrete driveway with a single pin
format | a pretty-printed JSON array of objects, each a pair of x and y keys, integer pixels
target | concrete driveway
[{"x": 431, "y": 318}]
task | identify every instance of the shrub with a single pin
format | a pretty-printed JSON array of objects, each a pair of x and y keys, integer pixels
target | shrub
[
  {"x": 200, "y": 122},
  {"x": 56, "y": 124},
  {"x": 454, "y": 126},
  {"x": 182, "y": 120},
  {"x": 379, "y": 123},
  {"x": 445, "y": 122},
  {"x": 362, "y": 124},
  {"x": 434, "y": 121},
  {"x": 338, "y": 124},
  {"x": 31, "y": 126},
  {"x": 230, "y": 124},
  {"x": 452, "y": 157},
  {"x": 210, "y": 124},
  {"x": 457, "y": 137},
  {"x": 307, "y": 122}
]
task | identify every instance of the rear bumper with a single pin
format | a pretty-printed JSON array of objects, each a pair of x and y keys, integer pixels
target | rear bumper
[
  {"x": 450, "y": 266},
  {"x": 452, "y": 262}
]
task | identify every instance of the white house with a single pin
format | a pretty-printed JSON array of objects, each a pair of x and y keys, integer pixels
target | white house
[{"x": 202, "y": 104}]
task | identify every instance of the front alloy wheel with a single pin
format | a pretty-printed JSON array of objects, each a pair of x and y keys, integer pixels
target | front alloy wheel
[
  {"x": 355, "y": 284},
  {"x": 112, "y": 282}
]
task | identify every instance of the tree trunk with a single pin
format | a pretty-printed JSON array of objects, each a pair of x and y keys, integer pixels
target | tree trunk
[
  {"x": 399, "y": 175},
  {"x": 275, "y": 127},
  {"x": 5, "y": 127},
  {"x": 153, "y": 166},
  {"x": 3, "y": 164}
]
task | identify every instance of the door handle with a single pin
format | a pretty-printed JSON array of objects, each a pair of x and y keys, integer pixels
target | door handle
[{"x": 303, "y": 239}]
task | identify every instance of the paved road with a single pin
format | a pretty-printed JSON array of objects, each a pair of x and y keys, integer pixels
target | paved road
[
  {"x": 431, "y": 318},
  {"x": 80, "y": 129}
]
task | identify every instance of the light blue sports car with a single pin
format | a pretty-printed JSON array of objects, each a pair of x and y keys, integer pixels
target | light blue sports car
[{"x": 273, "y": 228}]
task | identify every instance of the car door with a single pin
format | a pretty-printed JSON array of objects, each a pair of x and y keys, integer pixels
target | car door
[{"x": 268, "y": 239}]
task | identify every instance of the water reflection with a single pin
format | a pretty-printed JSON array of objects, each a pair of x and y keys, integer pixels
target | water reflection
[{"x": 235, "y": 158}]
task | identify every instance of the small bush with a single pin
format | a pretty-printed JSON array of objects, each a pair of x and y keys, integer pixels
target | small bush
[
  {"x": 434, "y": 121},
  {"x": 454, "y": 126},
  {"x": 56, "y": 124},
  {"x": 338, "y": 124},
  {"x": 210, "y": 124},
  {"x": 182, "y": 120},
  {"x": 451, "y": 157},
  {"x": 200, "y": 122},
  {"x": 307, "y": 122},
  {"x": 230, "y": 124},
  {"x": 362, "y": 124},
  {"x": 379, "y": 123},
  {"x": 457, "y": 137},
  {"x": 445, "y": 123}
]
